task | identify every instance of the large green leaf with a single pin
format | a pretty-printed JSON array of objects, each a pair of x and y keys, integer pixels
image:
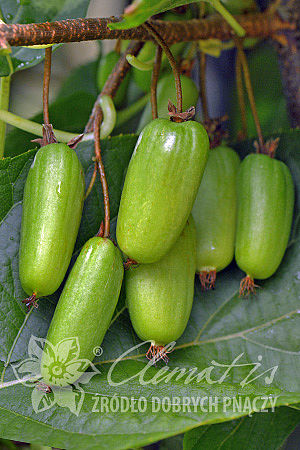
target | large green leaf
[
  {"x": 29, "y": 11},
  {"x": 267, "y": 430},
  {"x": 222, "y": 328}
]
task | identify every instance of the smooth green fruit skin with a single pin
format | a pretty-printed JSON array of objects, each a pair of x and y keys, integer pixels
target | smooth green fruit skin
[
  {"x": 215, "y": 210},
  {"x": 105, "y": 68},
  {"x": 160, "y": 187},
  {"x": 52, "y": 208},
  {"x": 166, "y": 91},
  {"x": 160, "y": 295},
  {"x": 265, "y": 210},
  {"x": 88, "y": 300}
]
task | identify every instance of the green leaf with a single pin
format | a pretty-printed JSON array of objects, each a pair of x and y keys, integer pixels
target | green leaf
[
  {"x": 140, "y": 10},
  {"x": 267, "y": 430},
  {"x": 222, "y": 328},
  {"x": 29, "y": 11}
]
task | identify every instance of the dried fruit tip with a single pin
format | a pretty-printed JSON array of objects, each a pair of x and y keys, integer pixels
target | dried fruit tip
[
  {"x": 43, "y": 387},
  {"x": 207, "y": 279},
  {"x": 247, "y": 287},
  {"x": 269, "y": 147},
  {"x": 157, "y": 352},
  {"x": 30, "y": 301},
  {"x": 178, "y": 117},
  {"x": 130, "y": 263}
]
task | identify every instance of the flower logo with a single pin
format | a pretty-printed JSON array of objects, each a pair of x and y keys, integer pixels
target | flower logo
[{"x": 63, "y": 370}]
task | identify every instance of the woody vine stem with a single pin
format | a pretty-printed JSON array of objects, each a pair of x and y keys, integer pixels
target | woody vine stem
[{"x": 261, "y": 25}]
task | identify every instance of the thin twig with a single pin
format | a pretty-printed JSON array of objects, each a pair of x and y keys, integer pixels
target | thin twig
[
  {"x": 249, "y": 89},
  {"x": 149, "y": 27},
  {"x": 97, "y": 125},
  {"x": 118, "y": 45},
  {"x": 46, "y": 84},
  {"x": 154, "y": 81},
  {"x": 241, "y": 99}
]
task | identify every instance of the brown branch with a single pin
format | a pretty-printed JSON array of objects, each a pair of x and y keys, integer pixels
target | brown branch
[
  {"x": 114, "y": 80},
  {"x": 154, "y": 80},
  {"x": 261, "y": 25},
  {"x": 97, "y": 125}
]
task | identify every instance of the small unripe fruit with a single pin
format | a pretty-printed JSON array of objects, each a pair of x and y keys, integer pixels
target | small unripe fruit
[
  {"x": 265, "y": 210},
  {"x": 86, "y": 305},
  {"x": 52, "y": 208},
  {"x": 160, "y": 295},
  {"x": 160, "y": 188},
  {"x": 214, "y": 212}
]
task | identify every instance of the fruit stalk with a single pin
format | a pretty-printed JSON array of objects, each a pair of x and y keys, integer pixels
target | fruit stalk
[
  {"x": 150, "y": 28},
  {"x": 240, "y": 92},
  {"x": 248, "y": 84},
  {"x": 46, "y": 84},
  {"x": 98, "y": 120},
  {"x": 154, "y": 81}
]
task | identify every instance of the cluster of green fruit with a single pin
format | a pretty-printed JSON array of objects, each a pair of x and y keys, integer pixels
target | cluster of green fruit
[
  {"x": 155, "y": 229},
  {"x": 184, "y": 209}
]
